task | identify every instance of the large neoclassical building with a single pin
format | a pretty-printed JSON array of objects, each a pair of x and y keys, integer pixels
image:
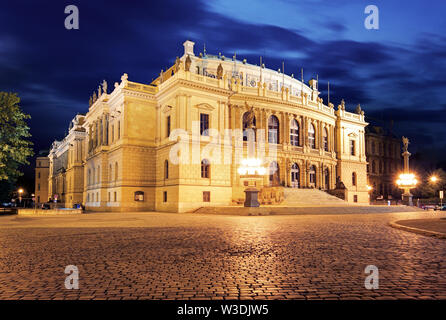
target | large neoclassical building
[{"x": 176, "y": 144}]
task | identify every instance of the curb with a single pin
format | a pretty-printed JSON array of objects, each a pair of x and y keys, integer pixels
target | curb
[{"x": 423, "y": 232}]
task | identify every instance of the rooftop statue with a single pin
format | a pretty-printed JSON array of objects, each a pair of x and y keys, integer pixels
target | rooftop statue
[
  {"x": 219, "y": 71},
  {"x": 405, "y": 144},
  {"x": 188, "y": 63}
]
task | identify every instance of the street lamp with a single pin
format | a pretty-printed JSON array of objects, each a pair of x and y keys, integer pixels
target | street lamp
[
  {"x": 251, "y": 169},
  {"x": 20, "y": 195},
  {"x": 434, "y": 180},
  {"x": 406, "y": 180}
]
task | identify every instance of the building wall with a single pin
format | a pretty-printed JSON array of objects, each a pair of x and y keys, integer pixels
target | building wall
[
  {"x": 41, "y": 180},
  {"x": 384, "y": 163}
]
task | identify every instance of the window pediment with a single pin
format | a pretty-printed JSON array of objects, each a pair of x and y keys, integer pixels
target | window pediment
[{"x": 204, "y": 106}]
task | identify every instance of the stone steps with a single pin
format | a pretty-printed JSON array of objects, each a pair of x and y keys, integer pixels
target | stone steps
[{"x": 295, "y": 197}]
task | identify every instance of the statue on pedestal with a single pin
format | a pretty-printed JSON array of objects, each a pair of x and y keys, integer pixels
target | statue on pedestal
[{"x": 405, "y": 144}]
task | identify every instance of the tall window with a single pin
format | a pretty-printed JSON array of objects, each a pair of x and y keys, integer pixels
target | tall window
[
  {"x": 325, "y": 139},
  {"x": 311, "y": 136},
  {"x": 294, "y": 133},
  {"x": 119, "y": 130},
  {"x": 273, "y": 129},
  {"x": 168, "y": 126},
  {"x": 373, "y": 147},
  {"x": 352, "y": 147},
  {"x": 166, "y": 169},
  {"x": 313, "y": 175},
  {"x": 116, "y": 171},
  {"x": 94, "y": 175},
  {"x": 251, "y": 131},
  {"x": 373, "y": 166},
  {"x": 89, "y": 176},
  {"x": 113, "y": 133},
  {"x": 354, "y": 179},
  {"x": 99, "y": 174},
  {"x": 110, "y": 173},
  {"x": 205, "y": 168},
  {"x": 204, "y": 124}
]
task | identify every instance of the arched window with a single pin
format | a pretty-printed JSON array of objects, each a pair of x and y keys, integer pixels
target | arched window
[
  {"x": 249, "y": 125},
  {"x": 354, "y": 178},
  {"x": 116, "y": 171},
  {"x": 205, "y": 168},
  {"x": 313, "y": 175},
  {"x": 273, "y": 129},
  {"x": 311, "y": 136},
  {"x": 325, "y": 139},
  {"x": 295, "y": 176},
  {"x": 166, "y": 169},
  {"x": 294, "y": 133},
  {"x": 274, "y": 174}
]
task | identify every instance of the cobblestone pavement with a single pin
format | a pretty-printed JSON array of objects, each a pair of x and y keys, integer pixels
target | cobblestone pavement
[{"x": 186, "y": 256}]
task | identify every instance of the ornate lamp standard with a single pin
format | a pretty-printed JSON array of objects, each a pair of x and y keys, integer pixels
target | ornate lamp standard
[
  {"x": 406, "y": 180},
  {"x": 251, "y": 170}
]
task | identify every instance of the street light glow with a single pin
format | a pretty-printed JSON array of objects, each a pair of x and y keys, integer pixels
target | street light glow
[
  {"x": 434, "y": 179},
  {"x": 407, "y": 180},
  {"x": 251, "y": 166},
  {"x": 20, "y": 190}
]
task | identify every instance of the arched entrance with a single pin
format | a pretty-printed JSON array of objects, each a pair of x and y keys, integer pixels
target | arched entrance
[
  {"x": 295, "y": 176},
  {"x": 327, "y": 179},
  {"x": 274, "y": 174}
]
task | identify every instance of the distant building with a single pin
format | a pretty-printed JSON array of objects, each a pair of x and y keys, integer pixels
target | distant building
[
  {"x": 383, "y": 151},
  {"x": 42, "y": 173}
]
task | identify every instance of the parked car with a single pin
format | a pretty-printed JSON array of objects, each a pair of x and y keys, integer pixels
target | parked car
[
  {"x": 429, "y": 207},
  {"x": 46, "y": 206},
  {"x": 440, "y": 208}
]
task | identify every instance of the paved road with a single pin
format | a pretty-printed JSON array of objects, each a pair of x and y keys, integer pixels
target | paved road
[{"x": 185, "y": 256}]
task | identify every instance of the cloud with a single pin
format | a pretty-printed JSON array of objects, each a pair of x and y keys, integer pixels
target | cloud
[{"x": 55, "y": 70}]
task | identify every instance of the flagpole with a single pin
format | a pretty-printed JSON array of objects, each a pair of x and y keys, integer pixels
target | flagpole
[{"x": 328, "y": 93}]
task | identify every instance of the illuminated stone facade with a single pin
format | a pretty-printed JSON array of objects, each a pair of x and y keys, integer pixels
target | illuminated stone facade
[{"x": 175, "y": 144}]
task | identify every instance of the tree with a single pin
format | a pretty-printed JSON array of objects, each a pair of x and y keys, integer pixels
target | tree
[{"x": 15, "y": 149}]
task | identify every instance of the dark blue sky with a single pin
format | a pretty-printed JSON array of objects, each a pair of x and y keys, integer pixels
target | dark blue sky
[{"x": 397, "y": 72}]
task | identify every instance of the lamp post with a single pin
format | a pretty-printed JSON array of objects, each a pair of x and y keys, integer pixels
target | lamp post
[
  {"x": 251, "y": 170},
  {"x": 20, "y": 191},
  {"x": 434, "y": 180},
  {"x": 406, "y": 180}
]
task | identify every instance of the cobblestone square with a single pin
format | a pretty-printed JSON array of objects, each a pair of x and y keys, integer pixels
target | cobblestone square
[{"x": 187, "y": 256}]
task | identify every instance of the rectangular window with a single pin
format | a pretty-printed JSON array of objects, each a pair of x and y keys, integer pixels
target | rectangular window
[
  {"x": 119, "y": 130},
  {"x": 168, "y": 126},
  {"x": 113, "y": 133},
  {"x": 204, "y": 124},
  {"x": 355, "y": 198},
  {"x": 38, "y": 187},
  {"x": 38, "y": 175},
  {"x": 109, "y": 197},
  {"x": 352, "y": 147},
  {"x": 165, "y": 196},
  {"x": 116, "y": 196},
  {"x": 206, "y": 196}
]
